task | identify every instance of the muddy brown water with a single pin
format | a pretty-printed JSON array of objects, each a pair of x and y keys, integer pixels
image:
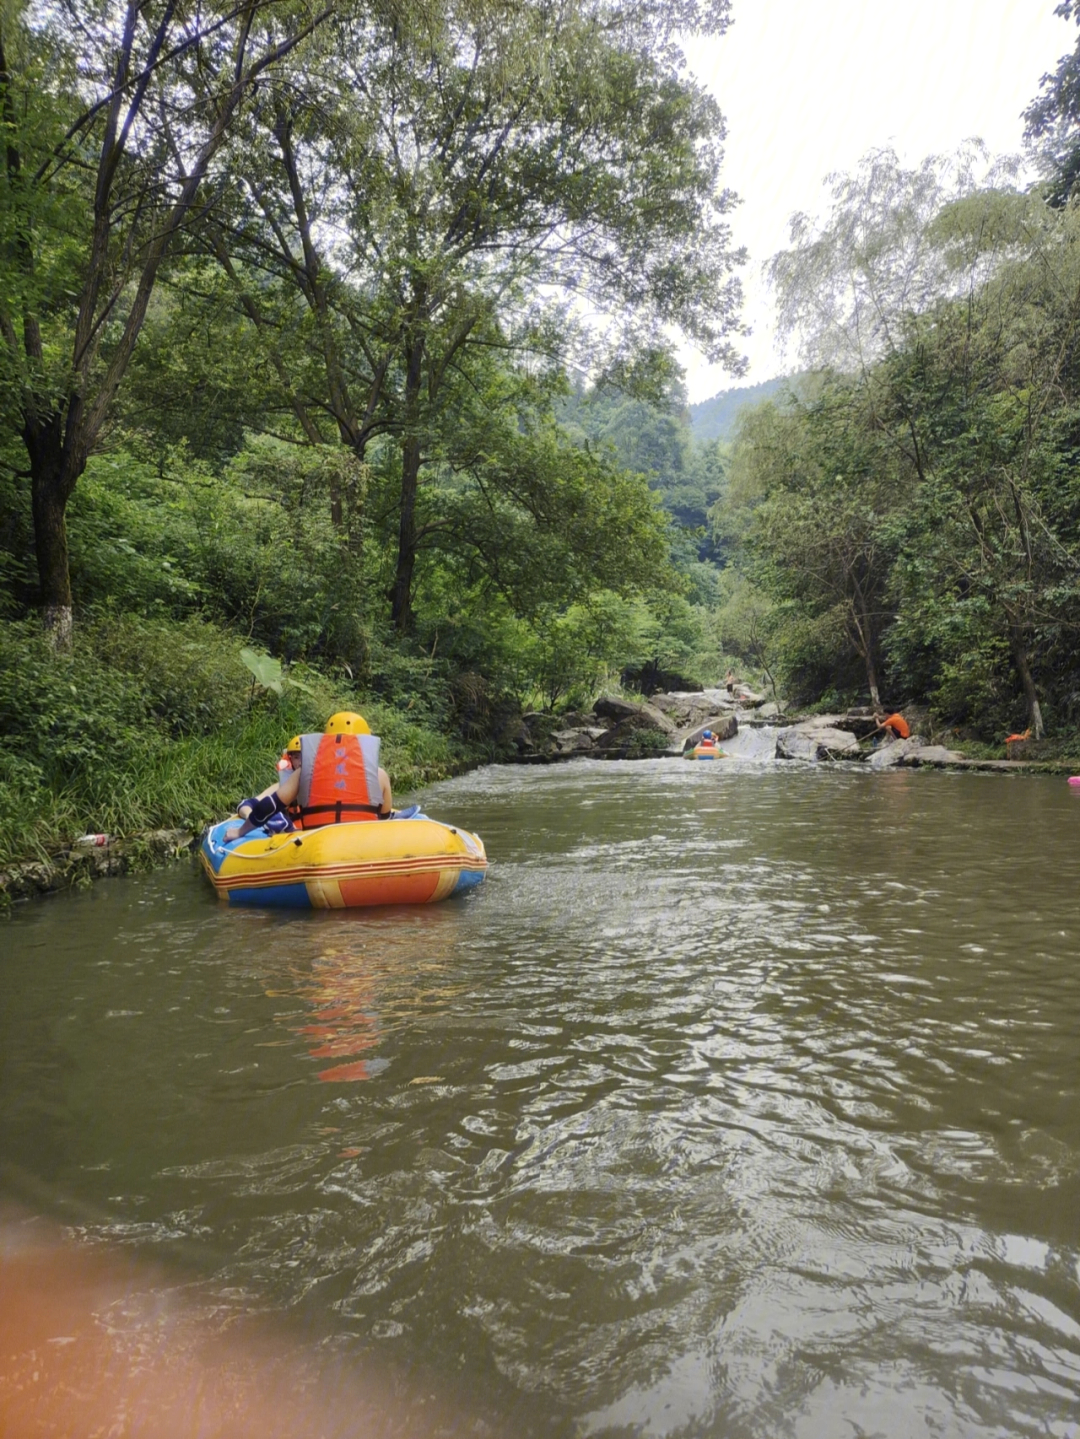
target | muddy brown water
[{"x": 740, "y": 1100}]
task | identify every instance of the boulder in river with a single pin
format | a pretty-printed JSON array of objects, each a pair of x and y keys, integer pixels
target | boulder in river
[
  {"x": 890, "y": 755},
  {"x": 644, "y": 716},
  {"x": 814, "y": 741},
  {"x": 574, "y": 741},
  {"x": 931, "y": 754},
  {"x": 687, "y": 710},
  {"x": 724, "y": 726},
  {"x": 612, "y": 709}
]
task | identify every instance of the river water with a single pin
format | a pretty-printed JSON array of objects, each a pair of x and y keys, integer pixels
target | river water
[{"x": 740, "y": 1100}]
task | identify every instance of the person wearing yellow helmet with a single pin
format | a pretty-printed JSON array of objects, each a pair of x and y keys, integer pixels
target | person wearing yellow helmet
[
  {"x": 267, "y": 810},
  {"x": 347, "y": 722},
  {"x": 338, "y": 779}
]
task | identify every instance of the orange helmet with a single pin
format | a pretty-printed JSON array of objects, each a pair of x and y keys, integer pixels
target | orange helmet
[{"x": 347, "y": 722}]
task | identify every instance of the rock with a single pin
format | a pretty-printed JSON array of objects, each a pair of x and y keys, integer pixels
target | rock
[
  {"x": 540, "y": 722},
  {"x": 687, "y": 710},
  {"x": 816, "y": 742},
  {"x": 796, "y": 744},
  {"x": 577, "y": 719},
  {"x": 747, "y": 698},
  {"x": 520, "y": 737},
  {"x": 635, "y": 737},
  {"x": 573, "y": 741},
  {"x": 645, "y": 716},
  {"x": 769, "y": 711},
  {"x": 723, "y": 727},
  {"x": 658, "y": 720},
  {"x": 888, "y": 756},
  {"x": 613, "y": 708},
  {"x": 669, "y": 704},
  {"x": 930, "y": 754}
]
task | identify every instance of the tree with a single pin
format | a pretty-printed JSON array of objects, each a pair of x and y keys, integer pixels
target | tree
[
  {"x": 112, "y": 120},
  {"x": 813, "y": 491},
  {"x": 463, "y": 171},
  {"x": 958, "y": 308},
  {"x": 1052, "y": 120}
]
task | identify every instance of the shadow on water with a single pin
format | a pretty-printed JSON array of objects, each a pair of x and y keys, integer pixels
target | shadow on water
[{"x": 739, "y": 1100}]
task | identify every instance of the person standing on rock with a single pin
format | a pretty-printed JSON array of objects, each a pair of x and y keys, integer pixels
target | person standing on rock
[{"x": 730, "y": 682}]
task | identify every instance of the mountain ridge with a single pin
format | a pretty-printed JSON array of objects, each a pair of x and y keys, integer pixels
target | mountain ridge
[{"x": 714, "y": 419}]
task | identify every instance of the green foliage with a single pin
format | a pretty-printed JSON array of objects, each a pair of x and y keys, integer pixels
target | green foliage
[
  {"x": 573, "y": 653},
  {"x": 811, "y": 495},
  {"x": 1052, "y": 120},
  {"x": 253, "y": 546},
  {"x": 150, "y": 723},
  {"x": 654, "y": 438},
  {"x": 279, "y": 478}
]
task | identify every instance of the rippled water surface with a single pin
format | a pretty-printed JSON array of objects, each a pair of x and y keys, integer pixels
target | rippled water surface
[{"x": 738, "y": 1101}]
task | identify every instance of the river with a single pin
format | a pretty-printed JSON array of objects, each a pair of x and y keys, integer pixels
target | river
[{"x": 740, "y": 1100}]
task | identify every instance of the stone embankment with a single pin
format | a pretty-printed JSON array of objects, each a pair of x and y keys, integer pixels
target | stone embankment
[{"x": 94, "y": 858}]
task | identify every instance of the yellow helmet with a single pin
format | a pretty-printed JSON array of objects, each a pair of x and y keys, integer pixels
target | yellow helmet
[
  {"x": 293, "y": 747},
  {"x": 347, "y": 722}
]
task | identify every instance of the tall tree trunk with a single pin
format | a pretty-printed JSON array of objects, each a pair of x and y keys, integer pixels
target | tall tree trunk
[
  {"x": 401, "y": 613},
  {"x": 864, "y": 643},
  {"x": 53, "y": 473},
  {"x": 401, "y": 605},
  {"x": 1027, "y": 679}
]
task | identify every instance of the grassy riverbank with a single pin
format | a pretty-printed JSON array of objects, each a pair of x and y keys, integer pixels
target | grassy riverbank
[{"x": 156, "y": 723}]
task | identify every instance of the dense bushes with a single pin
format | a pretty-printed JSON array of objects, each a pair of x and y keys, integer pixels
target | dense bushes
[{"x": 154, "y": 722}]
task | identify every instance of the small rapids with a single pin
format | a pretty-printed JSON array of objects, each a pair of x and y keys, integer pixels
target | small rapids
[{"x": 752, "y": 742}]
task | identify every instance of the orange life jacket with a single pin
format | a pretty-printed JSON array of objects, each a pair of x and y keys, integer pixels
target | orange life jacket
[{"x": 339, "y": 779}]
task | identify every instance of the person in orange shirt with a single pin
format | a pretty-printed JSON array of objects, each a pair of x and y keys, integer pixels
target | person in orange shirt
[{"x": 897, "y": 726}]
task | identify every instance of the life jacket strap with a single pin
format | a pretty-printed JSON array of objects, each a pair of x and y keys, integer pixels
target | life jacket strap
[{"x": 338, "y": 809}]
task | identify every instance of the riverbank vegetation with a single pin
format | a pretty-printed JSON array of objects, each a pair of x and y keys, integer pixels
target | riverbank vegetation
[
  {"x": 906, "y": 520},
  {"x": 291, "y": 302}
]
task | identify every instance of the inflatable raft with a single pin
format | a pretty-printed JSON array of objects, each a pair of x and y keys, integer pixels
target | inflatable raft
[
  {"x": 407, "y": 860},
  {"x": 705, "y": 752}
]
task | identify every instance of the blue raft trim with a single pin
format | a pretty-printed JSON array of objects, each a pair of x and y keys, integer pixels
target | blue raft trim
[
  {"x": 467, "y": 879},
  {"x": 280, "y": 896}
]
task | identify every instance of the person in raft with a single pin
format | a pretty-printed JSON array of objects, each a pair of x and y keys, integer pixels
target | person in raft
[
  {"x": 267, "y": 810},
  {"x": 707, "y": 740},
  {"x": 895, "y": 726},
  {"x": 338, "y": 779}
]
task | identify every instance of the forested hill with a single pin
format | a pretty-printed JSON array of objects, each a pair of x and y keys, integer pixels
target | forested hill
[{"x": 715, "y": 419}]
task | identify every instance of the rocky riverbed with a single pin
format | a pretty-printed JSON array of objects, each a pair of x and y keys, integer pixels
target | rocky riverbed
[{"x": 617, "y": 728}]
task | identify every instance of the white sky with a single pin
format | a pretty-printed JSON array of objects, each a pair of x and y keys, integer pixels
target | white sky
[{"x": 808, "y": 86}]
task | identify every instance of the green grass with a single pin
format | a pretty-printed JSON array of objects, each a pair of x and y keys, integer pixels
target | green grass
[{"x": 155, "y": 725}]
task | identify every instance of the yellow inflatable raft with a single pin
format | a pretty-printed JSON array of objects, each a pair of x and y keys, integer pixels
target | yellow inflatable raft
[{"x": 407, "y": 860}]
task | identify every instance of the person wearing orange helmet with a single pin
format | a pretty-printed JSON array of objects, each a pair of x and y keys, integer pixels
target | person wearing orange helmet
[{"x": 338, "y": 779}]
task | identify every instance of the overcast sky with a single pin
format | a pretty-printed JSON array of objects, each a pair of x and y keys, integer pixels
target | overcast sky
[{"x": 808, "y": 86}]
